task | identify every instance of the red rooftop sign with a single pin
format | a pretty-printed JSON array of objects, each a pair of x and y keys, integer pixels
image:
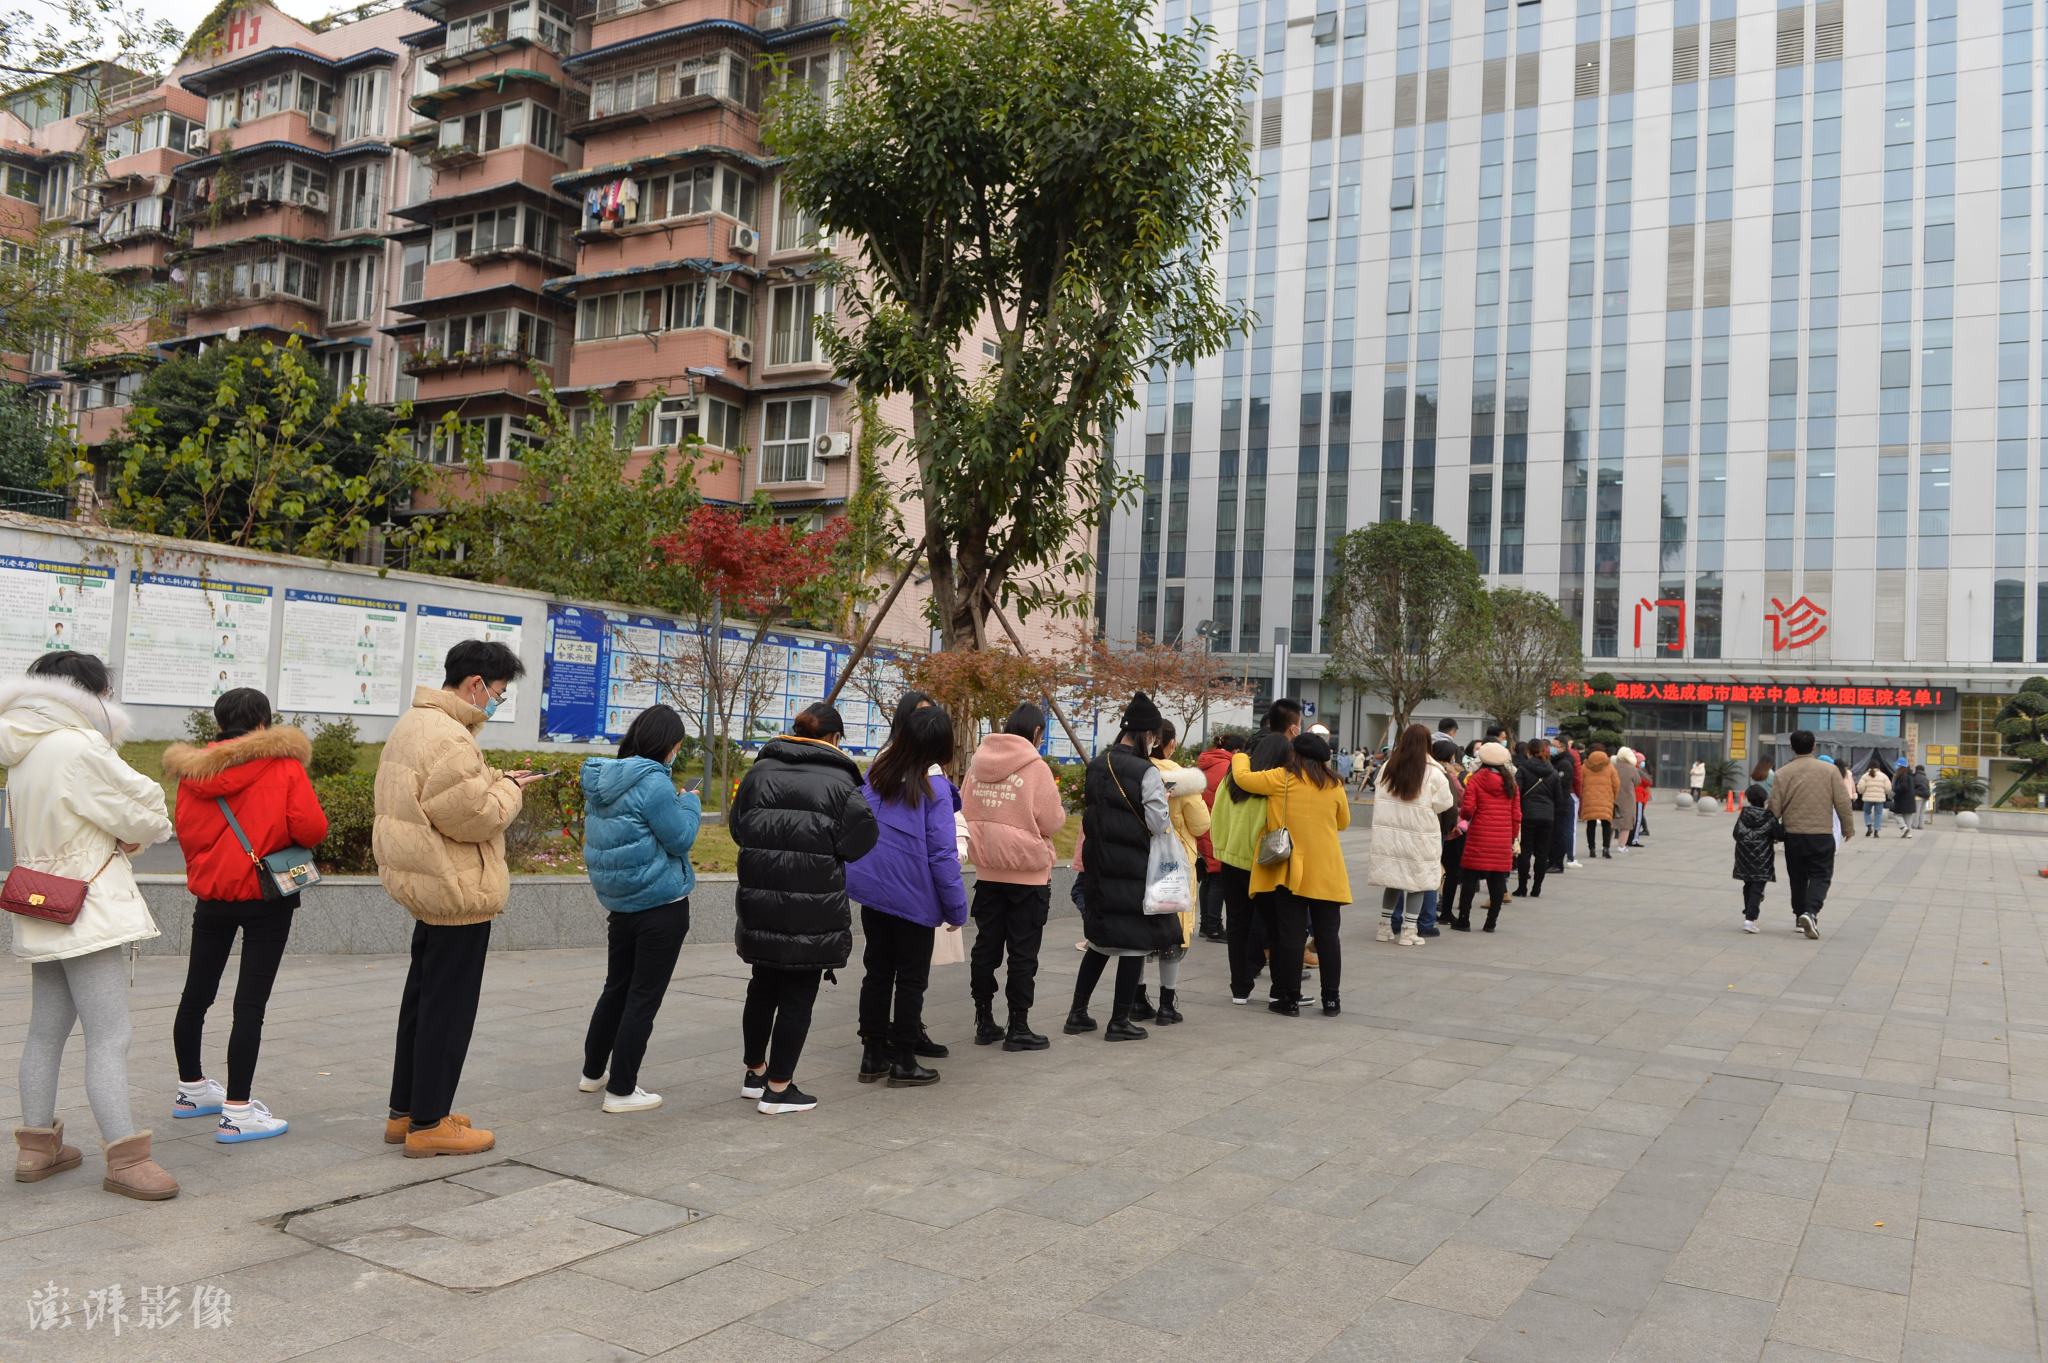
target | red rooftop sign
[{"x": 1772, "y": 693}]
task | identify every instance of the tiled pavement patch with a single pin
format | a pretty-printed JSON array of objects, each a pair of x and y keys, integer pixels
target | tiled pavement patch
[{"x": 1617, "y": 1129}]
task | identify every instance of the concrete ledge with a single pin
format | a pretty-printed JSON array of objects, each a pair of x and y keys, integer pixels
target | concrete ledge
[{"x": 352, "y": 916}]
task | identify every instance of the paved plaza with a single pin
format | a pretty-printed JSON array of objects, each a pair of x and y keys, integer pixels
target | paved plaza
[{"x": 1617, "y": 1129}]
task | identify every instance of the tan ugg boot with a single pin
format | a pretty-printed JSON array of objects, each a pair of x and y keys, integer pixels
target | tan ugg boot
[
  {"x": 132, "y": 1173},
  {"x": 43, "y": 1152}
]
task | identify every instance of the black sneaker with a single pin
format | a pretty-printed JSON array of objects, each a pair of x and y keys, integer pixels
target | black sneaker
[
  {"x": 752, "y": 1085},
  {"x": 791, "y": 1099}
]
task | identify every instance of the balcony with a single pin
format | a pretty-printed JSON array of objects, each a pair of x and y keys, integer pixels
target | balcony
[
  {"x": 798, "y": 14},
  {"x": 454, "y": 157},
  {"x": 480, "y": 43},
  {"x": 420, "y": 359}
]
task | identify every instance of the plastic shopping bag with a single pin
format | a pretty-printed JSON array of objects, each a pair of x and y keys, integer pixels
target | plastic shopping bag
[{"x": 1169, "y": 883}]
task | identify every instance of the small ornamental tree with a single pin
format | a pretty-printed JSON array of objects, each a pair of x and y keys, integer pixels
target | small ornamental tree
[
  {"x": 1600, "y": 718},
  {"x": 1405, "y": 602},
  {"x": 2022, "y": 726},
  {"x": 982, "y": 686},
  {"x": 1182, "y": 682},
  {"x": 746, "y": 565},
  {"x": 1507, "y": 671}
]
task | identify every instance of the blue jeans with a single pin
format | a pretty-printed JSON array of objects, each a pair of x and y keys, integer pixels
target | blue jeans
[
  {"x": 1873, "y": 816},
  {"x": 1394, "y": 902}
]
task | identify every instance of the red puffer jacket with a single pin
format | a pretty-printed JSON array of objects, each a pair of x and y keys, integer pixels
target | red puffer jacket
[
  {"x": 1495, "y": 809},
  {"x": 1215, "y": 765},
  {"x": 262, "y": 775}
]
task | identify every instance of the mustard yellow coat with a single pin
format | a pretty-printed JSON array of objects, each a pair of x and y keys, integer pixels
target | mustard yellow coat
[{"x": 1313, "y": 816}]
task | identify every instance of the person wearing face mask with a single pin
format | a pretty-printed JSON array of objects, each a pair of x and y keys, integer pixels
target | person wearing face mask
[
  {"x": 439, "y": 840},
  {"x": 637, "y": 834}
]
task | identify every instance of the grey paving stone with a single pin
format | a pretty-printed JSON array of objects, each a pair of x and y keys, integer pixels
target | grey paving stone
[
  {"x": 1851, "y": 1320},
  {"x": 1937, "y": 1349},
  {"x": 1973, "y": 1204},
  {"x": 848, "y": 1309},
  {"x": 743, "y": 1343},
  {"x": 1636, "y": 1220},
  {"x": 1398, "y": 1231},
  {"x": 1854, "y": 1258},
  {"x": 1561, "y": 1183},
  {"x": 1719, "y": 1261},
  {"x": 1606, "y": 1149},
  {"x": 1086, "y": 1197},
  {"x": 1760, "y": 1216},
  {"x": 674, "y": 1255},
  {"x": 499, "y": 1179},
  {"x": 956, "y": 1197},
  {"x": 1477, "y": 1280},
  {"x": 641, "y": 1216},
  {"x": 1524, "y": 1227},
  {"x": 557, "y": 1346},
  {"x": 1454, "y": 1187},
  {"x": 1540, "y": 1328},
  {"x": 1176, "y": 1294},
  {"x": 1686, "y": 1325},
  {"x": 1406, "y": 1332},
  {"x": 2000, "y": 1256},
  {"x": 1955, "y": 1302},
  {"x": 1618, "y": 1278}
]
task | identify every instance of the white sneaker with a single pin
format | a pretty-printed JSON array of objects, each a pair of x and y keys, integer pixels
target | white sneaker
[
  {"x": 639, "y": 1100},
  {"x": 249, "y": 1122},
  {"x": 1386, "y": 933},
  {"x": 1749, "y": 925},
  {"x": 1809, "y": 927},
  {"x": 202, "y": 1099},
  {"x": 591, "y": 1085},
  {"x": 1409, "y": 938},
  {"x": 1575, "y": 865}
]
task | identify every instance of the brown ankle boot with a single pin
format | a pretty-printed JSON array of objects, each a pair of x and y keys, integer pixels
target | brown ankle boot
[
  {"x": 447, "y": 1137},
  {"x": 132, "y": 1173},
  {"x": 395, "y": 1128},
  {"x": 43, "y": 1152}
]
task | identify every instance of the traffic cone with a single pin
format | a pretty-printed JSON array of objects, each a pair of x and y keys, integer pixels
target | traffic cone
[{"x": 1731, "y": 803}]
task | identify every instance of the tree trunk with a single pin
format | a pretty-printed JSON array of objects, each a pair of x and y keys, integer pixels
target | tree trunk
[{"x": 961, "y": 588}]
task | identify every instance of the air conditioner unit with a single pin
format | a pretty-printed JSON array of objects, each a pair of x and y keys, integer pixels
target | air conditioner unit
[
  {"x": 832, "y": 445},
  {"x": 259, "y": 289},
  {"x": 316, "y": 200},
  {"x": 771, "y": 17},
  {"x": 322, "y": 123},
  {"x": 196, "y": 139},
  {"x": 746, "y": 240},
  {"x": 739, "y": 349}
]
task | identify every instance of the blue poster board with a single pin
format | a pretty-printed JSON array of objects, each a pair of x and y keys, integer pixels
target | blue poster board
[{"x": 572, "y": 676}]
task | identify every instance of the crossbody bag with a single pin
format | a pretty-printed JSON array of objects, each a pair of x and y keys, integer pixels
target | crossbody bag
[
  {"x": 282, "y": 873},
  {"x": 40, "y": 894}
]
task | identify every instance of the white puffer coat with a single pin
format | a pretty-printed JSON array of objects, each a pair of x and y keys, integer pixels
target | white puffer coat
[
  {"x": 1407, "y": 849},
  {"x": 71, "y": 799}
]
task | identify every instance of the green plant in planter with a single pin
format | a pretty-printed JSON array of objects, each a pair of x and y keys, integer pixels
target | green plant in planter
[
  {"x": 1723, "y": 775},
  {"x": 1956, "y": 791}
]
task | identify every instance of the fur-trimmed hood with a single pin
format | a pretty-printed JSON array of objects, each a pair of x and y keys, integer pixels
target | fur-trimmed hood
[
  {"x": 183, "y": 762},
  {"x": 32, "y": 708}
]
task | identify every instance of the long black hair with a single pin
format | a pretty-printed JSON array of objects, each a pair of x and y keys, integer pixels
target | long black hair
[
  {"x": 82, "y": 670},
  {"x": 910, "y": 704},
  {"x": 921, "y": 740},
  {"x": 653, "y": 734}
]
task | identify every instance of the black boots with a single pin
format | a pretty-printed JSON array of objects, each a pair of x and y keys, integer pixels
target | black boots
[
  {"x": 986, "y": 1033},
  {"x": 874, "y": 1061},
  {"x": 1492, "y": 917},
  {"x": 905, "y": 1072},
  {"x": 1078, "y": 1022},
  {"x": 1123, "y": 1029},
  {"x": 1141, "y": 1007},
  {"x": 925, "y": 1046},
  {"x": 1167, "y": 1014},
  {"x": 1020, "y": 1036}
]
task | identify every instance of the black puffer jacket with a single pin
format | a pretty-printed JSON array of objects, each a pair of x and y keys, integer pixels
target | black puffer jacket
[
  {"x": 1116, "y": 854},
  {"x": 1756, "y": 830},
  {"x": 799, "y": 818},
  {"x": 1538, "y": 780}
]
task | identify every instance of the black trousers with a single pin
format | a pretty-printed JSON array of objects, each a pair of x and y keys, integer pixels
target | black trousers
[
  {"x": 1809, "y": 866},
  {"x": 641, "y": 950},
  {"x": 1753, "y": 898},
  {"x": 897, "y": 959},
  {"x": 1130, "y": 971},
  {"x": 1561, "y": 836},
  {"x": 1606, "y": 838},
  {"x": 1535, "y": 854},
  {"x": 1244, "y": 935},
  {"x": 1210, "y": 901},
  {"x": 265, "y": 926},
  {"x": 435, "y": 1018},
  {"x": 1468, "y": 887},
  {"x": 1008, "y": 918},
  {"x": 777, "y": 1018},
  {"x": 1292, "y": 920}
]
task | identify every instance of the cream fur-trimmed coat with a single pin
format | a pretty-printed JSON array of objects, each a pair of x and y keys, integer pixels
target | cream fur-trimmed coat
[{"x": 70, "y": 800}]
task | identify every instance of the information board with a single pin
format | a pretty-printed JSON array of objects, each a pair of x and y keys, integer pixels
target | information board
[
  {"x": 46, "y": 606},
  {"x": 572, "y": 676},
  {"x": 436, "y": 629},
  {"x": 343, "y": 655},
  {"x": 192, "y": 638}
]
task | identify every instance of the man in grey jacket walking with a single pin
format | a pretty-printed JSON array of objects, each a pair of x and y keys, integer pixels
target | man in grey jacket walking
[{"x": 1809, "y": 799}]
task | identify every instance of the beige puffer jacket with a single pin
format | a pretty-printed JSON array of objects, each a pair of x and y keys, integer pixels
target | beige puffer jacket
[
  {"x": 442, "y": 812},
  {"x": 70, "y": 799}
]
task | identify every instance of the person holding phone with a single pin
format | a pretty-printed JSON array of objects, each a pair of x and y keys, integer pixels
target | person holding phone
[
  {"x": 637, "y": 835},
  {"x": 439, "y": 840}
]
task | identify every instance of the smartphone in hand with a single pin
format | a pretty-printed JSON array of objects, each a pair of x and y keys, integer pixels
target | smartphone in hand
[{"x": 692, "y": 785}]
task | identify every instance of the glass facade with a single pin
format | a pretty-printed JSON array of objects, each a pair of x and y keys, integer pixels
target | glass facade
[{"x": 1786, "y": 466}]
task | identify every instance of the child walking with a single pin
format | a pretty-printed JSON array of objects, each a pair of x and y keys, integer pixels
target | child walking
[{"x": 1756, "y": 860}]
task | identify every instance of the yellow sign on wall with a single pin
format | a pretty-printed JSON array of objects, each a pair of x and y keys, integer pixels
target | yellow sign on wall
[{"x": 1738, "y": 740}]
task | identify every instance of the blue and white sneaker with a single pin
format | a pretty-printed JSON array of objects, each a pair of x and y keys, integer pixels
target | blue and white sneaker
[
  {"x": 251, "y": 1122},
  {"x": 202, "y": 1099}
]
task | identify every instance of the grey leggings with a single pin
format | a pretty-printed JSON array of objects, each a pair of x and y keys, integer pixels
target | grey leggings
[{"x": 94, "y": 989}]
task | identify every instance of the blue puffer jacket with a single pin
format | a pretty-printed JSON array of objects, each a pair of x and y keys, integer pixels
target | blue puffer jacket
[
  {"x": 637, "y": 833},
  {"x": 914, "y": 870}
]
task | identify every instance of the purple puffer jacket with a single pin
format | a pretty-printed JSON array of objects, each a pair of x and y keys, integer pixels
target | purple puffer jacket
[{"x": 914, "y": 871}]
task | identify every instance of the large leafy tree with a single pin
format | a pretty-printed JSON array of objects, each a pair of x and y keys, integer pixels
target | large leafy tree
[
  {"x": 249, "y": 445},
  {"x": 1405, "y": 603},
  {"x": 1528, "y": 644},
  {"x": 34, "y": 452},
  {"x": 1052, "y": 170}
]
